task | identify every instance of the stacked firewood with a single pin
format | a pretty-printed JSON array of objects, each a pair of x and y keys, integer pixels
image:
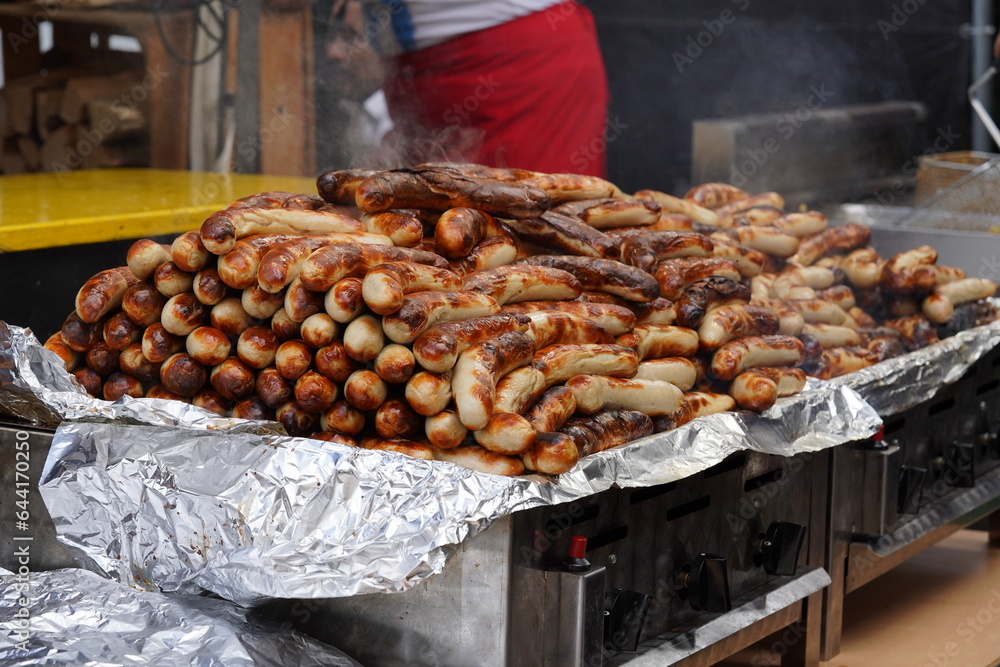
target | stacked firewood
[{"x": 501, "y": 319}]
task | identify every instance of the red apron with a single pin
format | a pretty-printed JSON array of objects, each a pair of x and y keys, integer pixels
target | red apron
[{"x": 531, "y": 93}]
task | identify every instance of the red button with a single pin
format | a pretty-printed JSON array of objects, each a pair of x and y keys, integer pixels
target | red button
[{"x": 577, "y": 546}]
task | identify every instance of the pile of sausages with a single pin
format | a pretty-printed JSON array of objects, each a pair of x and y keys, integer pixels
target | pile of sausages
[{"x": 501, "y": 319}]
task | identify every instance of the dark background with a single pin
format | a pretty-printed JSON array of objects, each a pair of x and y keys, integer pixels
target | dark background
[{"x": 766, "y": 60}]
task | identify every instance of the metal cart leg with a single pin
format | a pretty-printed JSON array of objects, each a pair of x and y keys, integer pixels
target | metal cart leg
[
  {"x": 836, "y": 564},
  {"x": 995, "y": 529}
]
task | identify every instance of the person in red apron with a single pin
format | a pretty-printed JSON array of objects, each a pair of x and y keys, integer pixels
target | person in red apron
[{"x": 506, "y": 84}]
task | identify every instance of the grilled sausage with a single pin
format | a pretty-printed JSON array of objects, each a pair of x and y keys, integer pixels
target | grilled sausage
[
  {"x": 425, "y": 309},
  {"x": 189, "y": 253},
  {"x": 284, "y": 327},
  {"x": 238, "y": 267},
  {"x": 363, "y": 338},
  {"x": 714, "y": 195},
  {"x": 182, "y": 314},
  {"x": 675, "y": 275},
  {"x": 293, "y": 358},
  {"x": 562, "y": 188},
  {"x": 232, "y": 379},
  {"x": 495, "y": 251},
  {"x": 230, "y": 317},
  {"x": 283, "y": 262},
  {"x": 273, "y": 388},
  {"x": 671, "y": 204},
  {"x": 548, "y": 327},
  {"x": 444, "y": 189},
  {"x": 678, "y": 371},
  {"x": 940, "y": 305},
  {"x": 208, "y": 346},
  {"x": 612, "y": 212},
  {"x": 145, "y": 256},
  {"x": 334, "y": 362},
  {"x": 183, "y": 375},
  {"x": 437, "y": 349},
  {"x": 479, "y": 369},
  {"x": 596, "y": 392},
  {"x": 558, "y": 363},
  {"x": 365, "y": 390},
  {"x": 394, "y": 364},
  {"x": 296, "y": 420},
  {"x": 552, "y": 410},
  {"x": 402, "y": 229},
  {"x": 444, "y": 430},
  {"x": 102, "y": 359},
  {"x": 103, "y": 292},
  {"x": 315, "y": 392},
  {"x": 818, "y": 311},
  {"x": 132, "y": 362},
  {"x": 171, "y": 281},
  {"x": 755, "y": 351},
  {"x": 831, "y": 240},
  {"x": 656, "y": 341},
  {"x": 518, "y": 390},
  {"x": 608, "y": 429},
  {"x": 506, "y": 433},
  {"x": 339, "y": 186},
  {"x": 566, "y": 234},
  {"x": 704, "y": 295},
  {"x": 221, "y": 230},
  {"x": 158, "y": 343},
  {"x": 396, "y": 419},
  {"x": 208, "y": 287},
  {"x": 801, "y": 224},
  {"x": 257, "y": 347},
  {"x": 510, "y": 284},
  {"x": 342, "y": 417},
  {"x": 345, "y": 300},
  {"x": 386, "y": 284},
  {"x": 118, "y": 331},
  {"x": 318, "y": 330},
  {"x": 603, "y": 275},
  {"x": 657, "y": 311},
  {"x": 211, "y": 401},
  {"x": 615, "y": 319},
  {"x": 330, "y": 264},
  {"x": 790, "y": 322},
  {"x": 459, "y": 230},
  {"x": 260, "y": 304},
  {"x": 730, "y": 322},
  {"x": 143, "y": 303},
  {"x": 481, "y": 459},
  {"x": 759, "y": 388},
  {"x": 119, "y": 384},
  {"x": 429, "y": 393}
]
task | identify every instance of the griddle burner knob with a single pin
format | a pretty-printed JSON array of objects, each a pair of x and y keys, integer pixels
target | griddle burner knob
[
  {"x": 911, "y": 485},
  {"x": 624, "y": 615},
  {"x": 707, "y": 583},
  {"x": 779, "y": 550}
]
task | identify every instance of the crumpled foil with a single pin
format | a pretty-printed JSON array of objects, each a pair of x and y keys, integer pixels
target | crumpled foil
[
  {"x": 251, "y": 517},
  {"x": 75, "y": 617},
  {"x": 898, "y": 384},
  {"x": 35, "y": 387}
]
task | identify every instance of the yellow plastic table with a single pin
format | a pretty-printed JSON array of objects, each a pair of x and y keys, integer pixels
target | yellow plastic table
[{"x": 92, "y": 206}]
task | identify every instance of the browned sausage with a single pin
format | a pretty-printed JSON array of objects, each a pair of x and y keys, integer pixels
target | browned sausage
[
  {"x": 293, "y": 358},
  {"x": 459, "y": 230},
  {"x": 656, "y": 341},
  {"x": 328, "y": 265},
  {"x": 444, "y": 430},
  {"x": 647, "y": 250},
  {"x": 429, "y": 393},
  {"x": 334, "y": 362},
  {"x": 120, "y": 332},
  {"x": 566, "y": 234},
  {"x": 703, "y": 295},
  {"x": 422, "y": 310},
  {"x": 394, "y": 364},
  {"x": 492, "y": 252},
  {"x": 834, "y": 239},
  {"x": 657, "y": 311},
  {"x": 750, "y": 262},
  {"x": 339, "y": 186},
  {"x": 676, "y": 274},
  {"x": 188, "y": 252},
  {"x": 552, "y": 454},
  {"x": 364, "y": 339},
  {"x": 208, "y": 287},
  {"x": 132, "y": 361},
  {"x": 603, "y": 275},
  {"x": 260, "y": 304},
  {"x": 396, "y": 419},
  {"x": 284, "y": 327},
  {"x": 158, "y": 343},
  {"x": 238, "y": 267},
  {"x": 607, "y": 429},
  {"x": 479, "y": 369},
  {"x": 183, "y": 375},
  {"x": 437, "y": 349},
  {"x": 296, "y": 420},
  {"x": 208, "y": 346},
  {"x": 401, "y": 228},
  {"x": 559, "y": 363},
  {"x": 755, "y": 351},
  {"x": 89, "y": 380},
  {"x": 481, "y": 459},
  {"x": 144, "y": 256},
  {"x": 386, "y": 284},
  {"x": 283, "y": 262},
  {"x": 715, "y": 195},
  {"x": 143, "y": 303},
  {"x": 252, "y": 408},
  {"x": 518, "y": 390},
  {"x": 441, "y": 190},
  {"x": 317, "y": 330},
  {"x": 612, "y": 212},
  {"x": 549, "y": 327},
  {"x": 102, "y": 358},
  {"x": 257, "y": 347},
  {"x": 552, "y": 410},
  {"x": 365, "y": 390},
  {"x": 232, "y": 379},
  {"x": 80, "y": 335},
  {"x": 171, "y": 281},
  {"x": 119, "y": 384},
  {"x": 316, "y": 393},
  {"x": 182, "y": 314},
  {"x": 221, "y": 230},
  {"x": 103, "y": 292},
  {"x": 506, "y": 433},
  {"x": 343, "y": 418},
  {"x": 730, "y": 322},
  {"x": 301, "y": 303},
  {"x": 229, "y": 316},
  {"x": 616, "y": 319},
  {"x": 211, "y": 401},
  {"x": 344, "y": 301},
  {"x": 596, "y": 392},
  {"x": 272, "y": 387}
]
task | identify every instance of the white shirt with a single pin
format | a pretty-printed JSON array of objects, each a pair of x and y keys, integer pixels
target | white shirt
[{"x": 422, "y": 23}]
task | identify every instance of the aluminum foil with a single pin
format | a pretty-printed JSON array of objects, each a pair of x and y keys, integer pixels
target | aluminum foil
[
  {"x": 898, "y": 384},
  {"x": 35, "y": 387},
  {"x": 251, "y": 517},
  {"x": 74, "y": 617}
]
